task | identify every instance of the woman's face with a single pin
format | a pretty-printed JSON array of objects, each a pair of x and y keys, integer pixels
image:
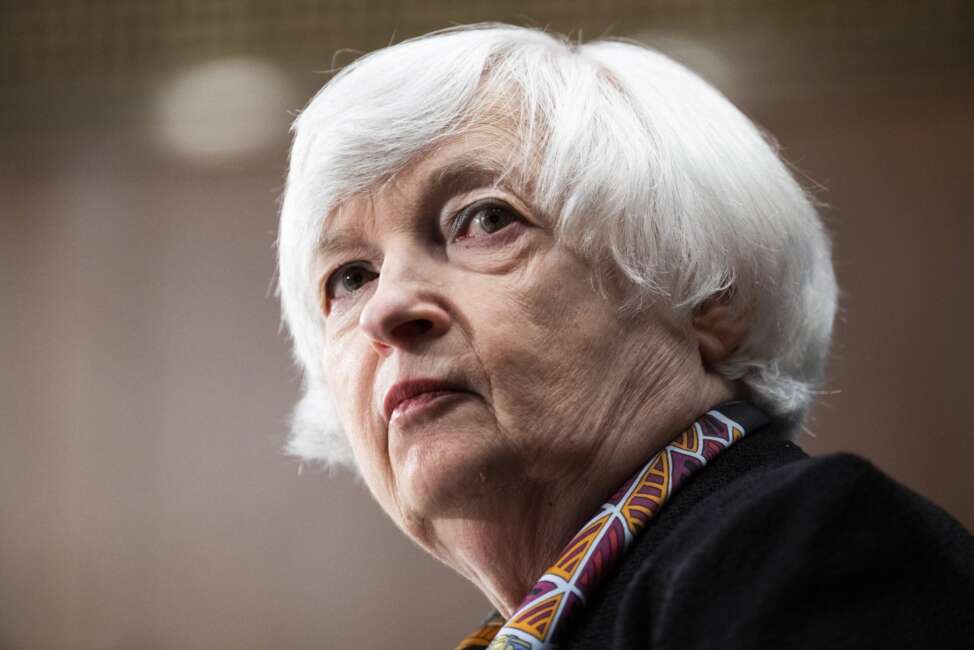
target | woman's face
[{"x": 467, "y": 349}]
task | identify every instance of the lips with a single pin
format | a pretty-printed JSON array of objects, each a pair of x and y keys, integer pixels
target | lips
[{"x": 417, "y": 391}]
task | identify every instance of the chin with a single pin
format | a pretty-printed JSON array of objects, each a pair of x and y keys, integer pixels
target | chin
[{"x": 450, "y": 471}]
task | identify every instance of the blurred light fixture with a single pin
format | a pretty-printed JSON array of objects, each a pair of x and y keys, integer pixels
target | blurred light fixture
[{"x": 223, "y": 110}]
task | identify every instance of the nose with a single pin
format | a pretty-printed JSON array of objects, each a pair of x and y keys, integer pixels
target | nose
[{"x": 404, "y": 312}]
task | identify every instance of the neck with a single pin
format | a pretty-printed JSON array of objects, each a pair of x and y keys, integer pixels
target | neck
[
  {"x": 522, "y": 526},
  {"x": 505, "y": 561}
]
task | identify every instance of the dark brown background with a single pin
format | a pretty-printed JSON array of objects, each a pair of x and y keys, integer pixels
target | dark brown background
[{"x": 143, "y": 499}]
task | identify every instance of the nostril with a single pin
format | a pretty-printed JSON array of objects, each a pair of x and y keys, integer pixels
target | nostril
[{"x": 414, "y": 328}]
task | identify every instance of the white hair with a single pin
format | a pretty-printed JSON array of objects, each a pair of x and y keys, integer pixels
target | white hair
[{"x": 642, "y": 165}]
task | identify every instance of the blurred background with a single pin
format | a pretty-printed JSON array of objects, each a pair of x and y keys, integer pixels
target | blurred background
[{"x": 144, "y": 501}]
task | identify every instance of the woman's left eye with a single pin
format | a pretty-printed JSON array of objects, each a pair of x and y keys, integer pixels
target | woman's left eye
[{"x": 482, "y": 219}]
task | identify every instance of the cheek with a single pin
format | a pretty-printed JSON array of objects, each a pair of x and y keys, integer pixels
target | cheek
[
  {"x": 349, "y": 373},
  {"x": 544, "y": 349}
]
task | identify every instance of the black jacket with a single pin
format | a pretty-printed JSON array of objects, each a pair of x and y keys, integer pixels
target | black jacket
[{"x": 768, "y": 548}]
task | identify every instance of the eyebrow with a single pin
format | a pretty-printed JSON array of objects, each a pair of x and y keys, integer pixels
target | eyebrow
[
  {"x": 468, "y": 172},
  {"x": 337, "y": 243},
  {"x": 462, "y": 174}
]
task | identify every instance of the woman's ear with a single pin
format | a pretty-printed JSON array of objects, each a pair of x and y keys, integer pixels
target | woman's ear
[{"x": 720, "y": 323}]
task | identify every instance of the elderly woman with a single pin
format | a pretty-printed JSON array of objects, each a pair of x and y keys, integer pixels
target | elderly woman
[{"x": 562, "y": 307}]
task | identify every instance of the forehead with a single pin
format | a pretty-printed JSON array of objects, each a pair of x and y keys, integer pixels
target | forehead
[{"x": 484, "y": 156}]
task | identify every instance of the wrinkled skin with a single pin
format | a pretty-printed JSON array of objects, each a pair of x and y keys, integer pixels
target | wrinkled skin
[{"x": 564, "y": 397}]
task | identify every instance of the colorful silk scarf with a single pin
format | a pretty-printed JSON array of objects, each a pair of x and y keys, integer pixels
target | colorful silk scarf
[{"x": 597, "y": 548}]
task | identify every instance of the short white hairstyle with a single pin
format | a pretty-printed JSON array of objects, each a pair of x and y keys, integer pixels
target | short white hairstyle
[{"x": 642, "y": 164}]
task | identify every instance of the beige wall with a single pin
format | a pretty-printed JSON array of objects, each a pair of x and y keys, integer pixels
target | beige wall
[{"x": 143, "y": 499}]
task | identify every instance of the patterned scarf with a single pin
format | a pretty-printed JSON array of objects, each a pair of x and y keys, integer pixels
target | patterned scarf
[{"x": 597, "y": 548}]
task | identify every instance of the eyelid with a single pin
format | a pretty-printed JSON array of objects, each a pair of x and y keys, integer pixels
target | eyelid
[
  {"x": 330, "y": 277},
  {"x": 463, "y": 216}
]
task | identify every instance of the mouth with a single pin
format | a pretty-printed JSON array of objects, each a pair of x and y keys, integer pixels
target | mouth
[{"x": 415, "y": 394}]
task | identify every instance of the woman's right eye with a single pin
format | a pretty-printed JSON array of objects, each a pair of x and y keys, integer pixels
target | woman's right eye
[{"x": 347, "y": 279}]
